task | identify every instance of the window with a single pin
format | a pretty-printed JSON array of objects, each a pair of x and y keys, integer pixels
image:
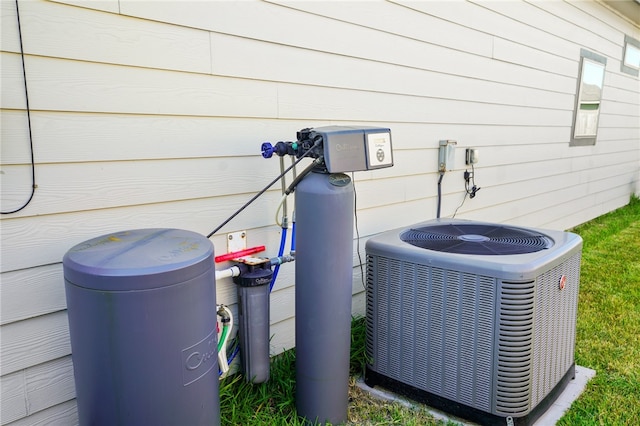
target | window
[
  {"x": 588, "y": 97},
  {"x": 630, "y": 56}
]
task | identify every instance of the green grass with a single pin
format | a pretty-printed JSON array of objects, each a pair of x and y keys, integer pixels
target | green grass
[
  {"x": 608, "y": 327},
  {"x": 608, "y": 333},
  {"x": 270, "y": 403},
  {"x": 273, "y": 403}
]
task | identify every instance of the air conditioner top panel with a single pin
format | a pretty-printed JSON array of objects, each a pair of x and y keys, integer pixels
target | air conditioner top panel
[{"x": 498, "y": 250}]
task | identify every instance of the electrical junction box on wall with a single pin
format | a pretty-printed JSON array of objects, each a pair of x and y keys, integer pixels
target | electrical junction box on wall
[
  {"x": 352, "y": 149},
  {"x": 471, "y": 156},
  {"x": 446, "y": 155}
]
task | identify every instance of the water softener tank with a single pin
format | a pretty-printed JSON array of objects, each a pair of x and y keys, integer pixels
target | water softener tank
[
  {"x": 142, "y": 320},
  {"x": 324, "y": 268}
]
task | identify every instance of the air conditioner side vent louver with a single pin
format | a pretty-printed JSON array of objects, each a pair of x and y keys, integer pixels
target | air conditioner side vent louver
[
  {"x": 370, "y": 332},
  {"x": 515, "y": 328}
]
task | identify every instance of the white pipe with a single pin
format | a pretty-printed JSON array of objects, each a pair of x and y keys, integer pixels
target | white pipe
[{"x": 233, "y": 271}]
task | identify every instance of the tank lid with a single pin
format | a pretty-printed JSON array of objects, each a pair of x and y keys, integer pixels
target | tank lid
[{"x": 138, "y": 259}]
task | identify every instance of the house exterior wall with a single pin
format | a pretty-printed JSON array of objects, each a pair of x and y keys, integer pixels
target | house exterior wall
[{"x": 151, "y": 114}]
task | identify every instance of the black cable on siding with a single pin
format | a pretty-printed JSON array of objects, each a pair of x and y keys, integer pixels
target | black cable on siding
[{"x": 26, "y": 93}]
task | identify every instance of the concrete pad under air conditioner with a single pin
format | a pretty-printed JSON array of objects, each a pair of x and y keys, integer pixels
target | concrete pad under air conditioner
[{"x": 550, "y": 417}]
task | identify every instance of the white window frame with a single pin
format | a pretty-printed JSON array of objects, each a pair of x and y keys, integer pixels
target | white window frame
[
  {"x": 630, "y": 53},
  {"x": 586, "y": 113}
]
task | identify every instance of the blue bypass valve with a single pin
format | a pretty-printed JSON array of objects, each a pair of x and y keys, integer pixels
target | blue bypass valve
[
  {"x": 281, "y": 149},
  {"x": 267, "y": 150}
]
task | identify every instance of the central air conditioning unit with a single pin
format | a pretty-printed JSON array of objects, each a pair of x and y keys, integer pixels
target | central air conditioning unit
[{"x": 476, "y": 319}]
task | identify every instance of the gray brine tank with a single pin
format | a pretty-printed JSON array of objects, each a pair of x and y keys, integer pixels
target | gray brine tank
[
  {"x": 324, "y": 267},
  {"x": 142, "y": 319}
]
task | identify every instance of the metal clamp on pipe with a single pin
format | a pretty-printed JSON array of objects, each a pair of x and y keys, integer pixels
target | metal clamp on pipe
[{"x": 279, "y": 260}]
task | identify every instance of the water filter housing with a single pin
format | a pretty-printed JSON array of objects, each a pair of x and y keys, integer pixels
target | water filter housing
[
  {"x": 253, "y": 319},
  {"x": 142, "y": 321}
]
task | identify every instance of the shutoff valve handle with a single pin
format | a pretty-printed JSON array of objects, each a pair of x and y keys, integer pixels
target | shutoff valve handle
[
  {"x": 267, "y": 150},
  {"x": 281, "y": 149}
]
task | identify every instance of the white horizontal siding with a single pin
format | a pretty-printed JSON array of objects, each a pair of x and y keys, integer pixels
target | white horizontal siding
[
  {"x": 56, "y": 30},
  {"x": 42, "y": 240},
  {"x": 154, "y": 138},
  {"x": 38, "y": 340},
  {"x": 283, "y": 63},
  {"x": 82, "y": 186},
  {"x": 536, "y": 18},
  {"x": 27, "y": 293},
  {"x": 74, "y": 86},
  {"x": 61, "y": 414},
  {"x": 122, "y": 137},
  {"x": 151, "y": 114},
  {"x": 103, "y": 5},
  {"x": 398, "y": 20},
  {"x": 37, "y": 388}
]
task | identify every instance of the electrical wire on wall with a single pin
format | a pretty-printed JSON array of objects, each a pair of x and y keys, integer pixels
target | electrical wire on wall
[
  {"x": 26, "y": 93},
  {"x": 355, "y": 217},
  {"x": 470, "y": 187},
  {"x": 439, "y": 194}
]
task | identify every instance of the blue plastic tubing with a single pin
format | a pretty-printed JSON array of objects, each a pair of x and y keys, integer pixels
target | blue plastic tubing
[
  {"x": 283, "y": 240},
  {"x": 293, "y": 236}
]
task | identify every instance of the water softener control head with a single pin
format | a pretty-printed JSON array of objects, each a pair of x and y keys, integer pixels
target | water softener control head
[{"x": 348, "y": 148}]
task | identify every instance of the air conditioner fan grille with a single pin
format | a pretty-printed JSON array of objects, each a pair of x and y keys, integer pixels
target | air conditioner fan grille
[{"x": 479, "y": 239}]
